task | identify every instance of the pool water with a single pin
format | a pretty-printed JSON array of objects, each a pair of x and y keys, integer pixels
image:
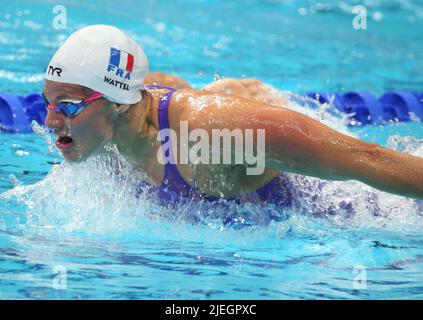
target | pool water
[{"x": 77, "y": 232}]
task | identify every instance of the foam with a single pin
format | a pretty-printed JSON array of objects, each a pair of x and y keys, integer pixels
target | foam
[{"x": 98, "y": 197}]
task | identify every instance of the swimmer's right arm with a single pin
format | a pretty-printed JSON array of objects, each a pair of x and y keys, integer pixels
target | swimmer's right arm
[
  {"x": 305, "y": 146},
  {"x": 297, "y": 143},
  {"x": 394, "y": 172}
]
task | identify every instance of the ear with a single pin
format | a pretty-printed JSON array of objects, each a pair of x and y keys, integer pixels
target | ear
[{"x": 121, "y": 108}]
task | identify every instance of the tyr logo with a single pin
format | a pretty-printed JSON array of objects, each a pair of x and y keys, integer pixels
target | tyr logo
[{"x": 52, "y": 70}]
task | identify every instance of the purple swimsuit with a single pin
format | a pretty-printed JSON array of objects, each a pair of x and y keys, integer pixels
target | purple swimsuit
[{"x": 175, "y": 189}]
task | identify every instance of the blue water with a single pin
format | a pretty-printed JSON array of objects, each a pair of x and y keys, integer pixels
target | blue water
[{"x": 78, "y": 222}]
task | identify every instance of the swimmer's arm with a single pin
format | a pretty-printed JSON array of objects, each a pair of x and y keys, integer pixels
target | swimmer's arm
[
  {"x": 252, "y": 89},
  {"x": 300, "y": 144},
  {"x": 167, "y": 80},
  {"x": 246, "y": 88}
]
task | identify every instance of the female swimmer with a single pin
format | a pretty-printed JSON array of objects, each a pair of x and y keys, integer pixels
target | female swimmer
[{"x": 95, "y": 95}]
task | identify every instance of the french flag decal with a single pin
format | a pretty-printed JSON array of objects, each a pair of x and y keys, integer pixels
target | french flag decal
[{"x": 121, "y": 59}]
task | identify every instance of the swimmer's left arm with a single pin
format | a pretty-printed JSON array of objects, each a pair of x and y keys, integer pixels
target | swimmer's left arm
[
  {"x": 168, "y": 80},
  {"x": 252, "y": 89}
]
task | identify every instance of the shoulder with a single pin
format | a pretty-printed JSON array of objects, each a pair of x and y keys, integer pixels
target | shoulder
[
  {"x": 199, "y": 100},
  {"x": 228, "y": 86},
  {"x": 197, "y": 104},
  {"x": 207, "y": 109}
]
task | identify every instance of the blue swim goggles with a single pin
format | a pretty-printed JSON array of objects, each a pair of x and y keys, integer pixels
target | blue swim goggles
[{"x": 71, "y": 109}]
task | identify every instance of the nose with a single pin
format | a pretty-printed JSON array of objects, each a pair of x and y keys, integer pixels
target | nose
[{"x": 55, "y": 120}]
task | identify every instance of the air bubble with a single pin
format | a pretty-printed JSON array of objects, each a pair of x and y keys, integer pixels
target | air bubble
[{"x": 15, "y": 181}]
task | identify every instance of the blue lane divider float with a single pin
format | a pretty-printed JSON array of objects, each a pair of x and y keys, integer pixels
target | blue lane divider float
[
  {"x": 367, "y": 109},
  {"x": 17, "y": 112}
]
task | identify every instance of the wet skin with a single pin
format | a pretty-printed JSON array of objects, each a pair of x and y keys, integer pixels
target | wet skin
[
  {"x": 90, "y": 130},
  {"x": 294, "y": 142},
  {"x": 135, "y": 131}
]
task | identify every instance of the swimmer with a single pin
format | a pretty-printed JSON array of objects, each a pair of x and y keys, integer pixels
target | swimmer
[{"x": 95, "y": 95}]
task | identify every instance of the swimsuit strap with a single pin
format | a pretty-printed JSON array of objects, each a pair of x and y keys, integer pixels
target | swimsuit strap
[{"x": 171, "y": 176}]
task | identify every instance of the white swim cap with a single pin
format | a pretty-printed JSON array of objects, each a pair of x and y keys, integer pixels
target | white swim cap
[{"x": 104, "y": 59}]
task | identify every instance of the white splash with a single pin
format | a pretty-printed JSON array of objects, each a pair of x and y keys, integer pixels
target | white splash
[{"x": 98, "y": 196}]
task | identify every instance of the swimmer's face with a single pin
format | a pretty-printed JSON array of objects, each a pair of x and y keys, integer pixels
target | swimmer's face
[{"x": 85, "y": 134}]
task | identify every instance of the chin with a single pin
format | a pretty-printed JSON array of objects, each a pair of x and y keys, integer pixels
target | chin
[
  {"x": 77, "y": 154},
  {"x": 73, "y": 156}
]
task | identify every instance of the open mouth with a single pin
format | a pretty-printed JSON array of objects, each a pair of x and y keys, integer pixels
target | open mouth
[{"x": 64, "y": 142}]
